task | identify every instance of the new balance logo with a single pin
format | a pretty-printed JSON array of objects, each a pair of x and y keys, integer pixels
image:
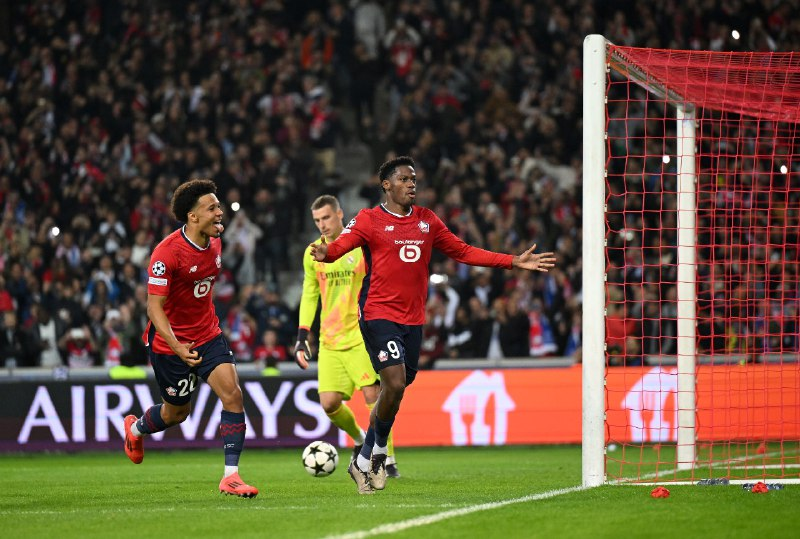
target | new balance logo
[
  {"x": 192, "y": 269},
  {"x": 389, "y": 228}
]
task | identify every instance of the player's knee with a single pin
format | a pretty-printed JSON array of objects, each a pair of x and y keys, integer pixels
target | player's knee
[
  {"x": 330, "y": 405},
  {"x": 394, "y": 387},
  {"x": 231, "y": 398}
]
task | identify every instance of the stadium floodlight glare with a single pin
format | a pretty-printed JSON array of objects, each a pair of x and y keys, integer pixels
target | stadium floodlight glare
[{"x": 691, "y": 265}]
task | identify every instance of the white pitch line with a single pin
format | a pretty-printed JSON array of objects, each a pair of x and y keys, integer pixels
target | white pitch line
[
  {"x": 756, "y": 467},
  {"x": 395, "y": 527}
]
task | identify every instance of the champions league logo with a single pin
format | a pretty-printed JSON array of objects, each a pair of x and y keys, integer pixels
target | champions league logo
[{"x": 159, "y": 268}]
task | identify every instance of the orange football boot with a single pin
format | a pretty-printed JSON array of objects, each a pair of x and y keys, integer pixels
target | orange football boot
[
  {"x": 234, "y": 486},
  {"x": 134, "y": 445}
]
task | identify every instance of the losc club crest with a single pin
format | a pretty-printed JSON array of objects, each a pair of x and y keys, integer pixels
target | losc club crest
[
  {"x": 383, "y": 356},
  {"x": 171, "y": 391},
  {"x": 424, "y": 227}
]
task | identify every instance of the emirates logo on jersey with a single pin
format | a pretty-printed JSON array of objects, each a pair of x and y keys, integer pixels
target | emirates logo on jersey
[{"x": 424, "y": 227}]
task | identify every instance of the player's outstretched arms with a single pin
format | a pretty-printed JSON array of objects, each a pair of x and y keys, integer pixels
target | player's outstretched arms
[
  {"x": 534, "y": 262},
  {"x": 319, "y": 250}
]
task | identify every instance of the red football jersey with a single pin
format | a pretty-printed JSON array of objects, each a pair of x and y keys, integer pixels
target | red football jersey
[
  {"x": 185, "y": 273},
  {"x": 398, "y": 250}
]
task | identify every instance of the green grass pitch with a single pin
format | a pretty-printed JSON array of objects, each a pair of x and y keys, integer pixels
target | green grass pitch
[{"x": 504, "y": 492}]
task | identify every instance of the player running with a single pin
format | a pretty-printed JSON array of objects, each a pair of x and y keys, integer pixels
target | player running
[
  {"x": 344, "y": 364},
  {"x": 183, "y": 336},
  {"x": 398, "y": 239}
]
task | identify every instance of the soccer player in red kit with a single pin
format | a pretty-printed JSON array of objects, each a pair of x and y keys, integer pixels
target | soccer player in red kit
[
  {"x": 397, "y": 239},
  {"x": 183, "y": 336}
]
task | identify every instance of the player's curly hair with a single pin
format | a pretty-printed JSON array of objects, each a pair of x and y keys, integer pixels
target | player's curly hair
[
  {"x": 187, "y": 194},
  {"x": 387, "y": 169}
]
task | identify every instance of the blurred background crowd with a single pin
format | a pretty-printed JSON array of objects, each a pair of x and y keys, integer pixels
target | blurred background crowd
[{"x": 107, "y": 106}]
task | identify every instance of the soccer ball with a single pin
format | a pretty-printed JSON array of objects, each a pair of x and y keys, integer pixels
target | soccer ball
[{"x": 320, "y": 458}]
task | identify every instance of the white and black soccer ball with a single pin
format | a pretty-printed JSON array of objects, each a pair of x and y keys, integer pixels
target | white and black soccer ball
[{"x": 320, "y": 458}]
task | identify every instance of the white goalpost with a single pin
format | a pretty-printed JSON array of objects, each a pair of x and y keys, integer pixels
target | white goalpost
[
  {"x": 690, "y": 280},
  {"x": 593, "y": 341}
]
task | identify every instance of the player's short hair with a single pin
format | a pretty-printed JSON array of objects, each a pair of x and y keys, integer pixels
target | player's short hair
[
  {"x": 187, "y": 194},
  {"x": 387, "y": 169},
  {"x": 326, "y": 200}
]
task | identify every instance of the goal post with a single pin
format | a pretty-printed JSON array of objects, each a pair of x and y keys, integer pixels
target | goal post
[
  {"x": 691, "y": 301},
  {"x": 686, "y": 292},
  {"x": 593, "y": 337}
]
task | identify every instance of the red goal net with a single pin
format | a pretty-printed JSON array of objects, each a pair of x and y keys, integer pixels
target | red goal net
[{"x": 745, "y": 264}]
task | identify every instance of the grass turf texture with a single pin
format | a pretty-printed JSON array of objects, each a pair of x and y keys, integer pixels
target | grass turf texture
[{"x": 174, "y": 495}]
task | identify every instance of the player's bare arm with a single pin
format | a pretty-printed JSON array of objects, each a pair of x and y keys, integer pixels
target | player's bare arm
[
  {"x": 534, "y": 262},
  {"x": 155, "y": 311}
]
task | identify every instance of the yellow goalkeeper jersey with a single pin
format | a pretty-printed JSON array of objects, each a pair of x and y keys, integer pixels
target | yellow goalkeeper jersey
[{"x": 337, "y": 285}]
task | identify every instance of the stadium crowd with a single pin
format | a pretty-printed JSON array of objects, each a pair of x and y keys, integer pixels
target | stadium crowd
[{"x": 105, "y": 107}]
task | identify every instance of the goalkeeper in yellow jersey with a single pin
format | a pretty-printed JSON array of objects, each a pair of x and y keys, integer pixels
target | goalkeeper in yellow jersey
[{"x": 344, "y": 363}]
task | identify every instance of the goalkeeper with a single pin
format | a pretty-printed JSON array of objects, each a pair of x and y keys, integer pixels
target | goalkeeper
[{"x": 344, "y": 363}]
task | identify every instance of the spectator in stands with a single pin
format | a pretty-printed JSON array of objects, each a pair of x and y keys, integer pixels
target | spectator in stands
[
  {"x": 541, "y": 335},
  {"x": 241, "y": 331},
  {"x": 620, "y": 332},
  {"x": 111, "y": 342},
  {"x": 369, "y": 20},
  {"x": 269, "y": 354},
  {"x": 242, "y": 236},
  {"x": 434, "y": 337},
  {"x": 271, "y": 312},
  {"x": 79, "y": 348},
  {"x": 15, "y": 349},
  {"x": 514, "y": 327},
  {"x": 46, "y": 331},
  {"x": 459, "y": 337}
]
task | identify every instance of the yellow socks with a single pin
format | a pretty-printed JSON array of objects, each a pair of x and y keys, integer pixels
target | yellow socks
[{"x": 344, "y": 418}]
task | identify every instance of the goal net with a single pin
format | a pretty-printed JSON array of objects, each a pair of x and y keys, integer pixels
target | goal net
[{"x": 691, "y": 253}]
